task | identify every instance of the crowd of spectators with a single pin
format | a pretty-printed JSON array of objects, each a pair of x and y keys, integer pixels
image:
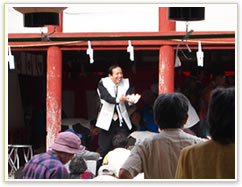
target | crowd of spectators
[{"x": 167, "y": 154}]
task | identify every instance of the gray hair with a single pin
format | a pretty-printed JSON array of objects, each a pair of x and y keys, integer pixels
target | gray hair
[{"x": 77, "y": 165}]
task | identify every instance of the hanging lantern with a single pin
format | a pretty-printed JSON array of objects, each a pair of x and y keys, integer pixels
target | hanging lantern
[
  {"x": 40, "y": 16},
  {"x": 186, "y": 13}
]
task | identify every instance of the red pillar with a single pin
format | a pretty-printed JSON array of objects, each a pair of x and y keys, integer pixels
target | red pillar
[
  {"x": 53, "y": 97},
  {"x": 166, "y": 70},
  {"x": 166, "y": 56},
  {"x": 164, "y": 23},
  {"x": 60, "y": 27}
]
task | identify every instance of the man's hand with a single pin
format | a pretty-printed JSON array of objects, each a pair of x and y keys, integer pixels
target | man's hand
[{"x": 123, "y": 98}]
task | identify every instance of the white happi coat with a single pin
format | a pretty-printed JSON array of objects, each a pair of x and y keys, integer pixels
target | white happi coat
[{"x": 106, "y": 114}]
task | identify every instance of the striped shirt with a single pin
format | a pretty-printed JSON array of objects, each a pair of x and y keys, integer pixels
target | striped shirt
[{"x": 45, "y": 166}]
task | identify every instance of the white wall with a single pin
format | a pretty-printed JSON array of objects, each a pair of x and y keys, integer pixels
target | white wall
[
  {"x": 127, "y": 18},
  {"x": 111, "y": 18},
  {"x": 15, "y": 23}
]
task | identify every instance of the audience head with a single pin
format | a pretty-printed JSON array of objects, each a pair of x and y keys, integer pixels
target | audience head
[
  {"x": 119, "y": 140},
  {"x": 77, "y": 165},
  {"x": 221, "y": 115},
  {"x": 170, "y": 110},
  {"x": 66, "y": 145}
]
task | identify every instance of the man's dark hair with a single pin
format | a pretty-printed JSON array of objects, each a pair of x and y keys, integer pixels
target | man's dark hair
[
  {"x": 120, "y": 140},
  {"x": 110, "y": 69},
  {"x": 221, "y": 115},
  {"x": 77, "y": 165},
  {"x": 170, "y": 110}
]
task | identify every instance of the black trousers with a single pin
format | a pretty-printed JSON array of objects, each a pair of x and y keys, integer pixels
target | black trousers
[{"x": 105, "y": 137}]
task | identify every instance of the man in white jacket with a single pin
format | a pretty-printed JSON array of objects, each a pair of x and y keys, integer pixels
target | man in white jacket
[{"x": 113, "y": 116}]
